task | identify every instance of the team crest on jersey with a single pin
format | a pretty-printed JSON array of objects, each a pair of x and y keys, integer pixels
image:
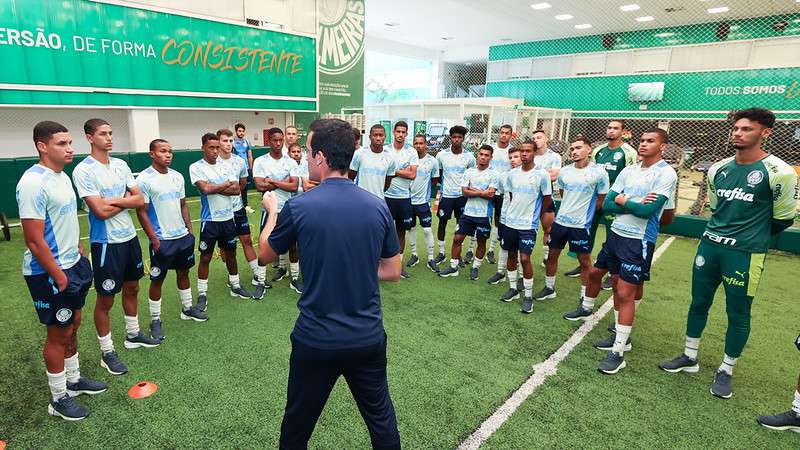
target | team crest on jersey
[
  {"x": 754, "y": 177},
  {"x": 109, "y": 284},
  {"x": 203, "y": 245},
  {"x": 699, "y": 261},
  {"x": 63, "y": 314},
  {"x": 155, "y": 271},
  {"x": 617, "y": 156}
]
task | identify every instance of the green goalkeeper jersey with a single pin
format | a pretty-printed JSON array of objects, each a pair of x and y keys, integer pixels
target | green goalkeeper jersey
[
  {"x": 745, "y": 198},
  {"x": 614, "y": 159}
]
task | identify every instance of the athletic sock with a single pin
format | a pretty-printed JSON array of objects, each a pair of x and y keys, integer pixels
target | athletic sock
[
  {"x": 623, "y": 333},
  {"x": 691, "y": 347},
  {"x": 72, "y": 368},
  {"x": 512, "y": 279},
  {"x": 472, "y": 243},
  {"x": 131, "y": 325},
  {"x": 727, "y": 364},
  {"x": 428, "y": 232},
  {"x": 616, "y": 317},
  {"x": 282, "y": 260},
  {"x": 202, "y": 286},
  {"x": 454, "y": 263},
  {"x": 550, "y": 282},
  {"x": 58, "y": 384},
  {"x": 583, "y": 291},
  {"x": 546, "y": 250},
  {"x": 155, "y": 309},
  {"x": 411, "y": 237},
  {"x": 186, "y": 297},
  {"x": 588, "y": 303},
  {"x": 294, "y": 268},
  {"x": 636, "y": 304},
  {"x": 527, "y": 283},
  {"x": 441, "y": 247},
  {"x": 106, "y": 344},
  {"x": 502, "y": 260},
  {"x": 477, "y": 263},
  {"x": 234, "y": 281},
  {"x": 261, "y": 275},
  {"x": 492, "y": 239},
  {"x": 796, "y": 402},
  {"x": 254, "y": 267}
]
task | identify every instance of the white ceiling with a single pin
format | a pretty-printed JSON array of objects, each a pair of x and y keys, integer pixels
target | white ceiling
[{"x": 473, "y": 25}]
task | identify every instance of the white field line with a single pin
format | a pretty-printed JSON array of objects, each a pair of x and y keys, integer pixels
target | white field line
[{"x": 542, "y": 371}]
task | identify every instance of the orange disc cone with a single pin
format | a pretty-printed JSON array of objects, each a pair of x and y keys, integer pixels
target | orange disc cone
[
  {"x": 142, "y": 389},
  {"x": 2, "y": 445}
]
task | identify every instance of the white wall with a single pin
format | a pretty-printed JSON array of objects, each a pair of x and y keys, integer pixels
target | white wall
[{"x": 184, "y": 128}]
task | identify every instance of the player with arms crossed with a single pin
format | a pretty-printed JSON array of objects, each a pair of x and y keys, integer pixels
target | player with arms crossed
[
  {"x": 56, "y": 272},
  {"x": 372, "y": 168},
  {"x": 500, "y": 164},
  {"x": 398, "y": 196},
  {"x": 753, "y": 196},
  {"x": 427, "y": 175}
]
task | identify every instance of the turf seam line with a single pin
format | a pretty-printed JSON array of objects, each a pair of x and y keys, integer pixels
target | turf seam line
[{"x": 542, "y": 371}]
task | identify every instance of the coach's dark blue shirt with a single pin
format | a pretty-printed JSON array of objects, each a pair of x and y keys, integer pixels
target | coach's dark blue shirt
[{"x": 342, "y": 232}]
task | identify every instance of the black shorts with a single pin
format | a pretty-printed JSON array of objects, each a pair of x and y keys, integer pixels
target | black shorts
[
  {"x": 212, "y": 233},
  {"x": 551, "y": 208},
  {"x": 241, "y": 222},
  {"x": 449, "y": 207},
  {"x": 116, "y": 263},
  {"x": 401, "y": 211},
  {"x": 626, "y": 257},
  {"x": 173, "y": 254},
  {"x": 423, "y": 212},
  {"x": 513, "y": 240},
  {"x": 497, "y": 204},
  {"x": 479, "y": 227},
  {"x": 578, "y": 238},
  {"x": 58, "y": 308}
]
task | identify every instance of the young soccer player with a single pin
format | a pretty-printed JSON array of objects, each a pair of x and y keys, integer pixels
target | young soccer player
[
  {"x": 166, "y": 222},
  {"x": 372, "y": 168},
  {"x": 453, "y": 162},
  {"x": 56, "y": 272},
  {"x": 550, "y": 161},
  {"x": 305, "y": 184},
  {"x": 478, "y": 186},
  {"x": 514, "y": 162},
  {"x": 753, "y": 196},
  {"x": 583, "y": 187},
  {"x": 243, "y": 149},
  {"x": 398, "y": 196},
  {"x": 107, "y": 186},
  {"x": 500, "y": 164},
  {"x": 530, "y": 191},
  {"x": 427, "y": 173},
  {"x": 217, "y": 188}
]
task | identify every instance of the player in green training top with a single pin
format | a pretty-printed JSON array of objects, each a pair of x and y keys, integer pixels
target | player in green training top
[{"x": 753, "y": 196}]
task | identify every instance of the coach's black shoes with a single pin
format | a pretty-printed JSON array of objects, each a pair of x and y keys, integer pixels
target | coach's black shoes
[
  {"x": 140, "y": 340},
  {"x": 432, "y": 265},
  {"x": 473, "y": 274},
  {"x": 439, "y": 258},
  {"x": 613, "y": 363},
  {"x": 574, "y": 273},
  {"x": 527, "y": 305},
  {"x": 157, "y": 329},
  {"x": 111, "y": 362},
  {"x": 67, "y": 408},
  {"x": 496, "y": 278},
  {"x": 240, "y": 292},
  {"x": 448, "y": 272},
  {"x": 722, "y": 386},
  {"x": 194, "y": 313},
  {"x": 86, "y": 386},
  {"x": 608, "y": 343},
  {"x": 606, "y": 283},
  {"x": 490, "y": 257},
  {"x": 510, "y": 295},
  {"x": 680, "y": 364},
  {"x": 580, "y": 313},
  {"x": 297, "y": 285},
  {"x": 545, "y": 293},
  {"x": 202, "y": 302},
  {"x": 786, "y": 421},
  {"x": 413, "y": 261},
  {"x": 261, "y": 289},
  {"x": 280, "y": 273}
]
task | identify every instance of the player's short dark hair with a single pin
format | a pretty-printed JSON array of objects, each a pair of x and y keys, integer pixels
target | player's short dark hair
[
  {"x": 208, "y": 137},
  {"x": 334, "y": 138},
  {"x": 44, "y": 131},
  {"x": 620, "y": 121},
  {"x": 513, "y": 150},
  {"x": 540, "y": 131},
  {"x": 91, "y": 125},
  {"x": 420, "y": 136},
  {"x": 295, "y": 145},
  {"x": 486, "y": 147},
  {"x": 155, "y": 143},
  {"x": 224, "y": 132},
  {"x": 375, "y": 127},
  {"x": 273, "y": 131},
  {"x": 239, "y": 125},
  {"x": 528, "y": 141},
  {"x": 356, "y": 134},
  {"x": 458, "y": 129},
  {"x": 763, "y": 116},
  {"x": 583, "y": 139},
  {"x": 400, "y": 123},
  {"x": 506, "y": 126},
  {"x": 662, "y": 135}
]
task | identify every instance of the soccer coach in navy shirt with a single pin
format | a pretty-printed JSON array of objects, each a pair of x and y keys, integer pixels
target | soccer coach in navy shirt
[{"x": 347, "y": 242}]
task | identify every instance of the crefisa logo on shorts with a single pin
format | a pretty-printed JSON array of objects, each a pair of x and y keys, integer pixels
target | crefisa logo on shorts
[
  {"x": 63, "y": 314},
  {"x": 108, "y": 284},
  {"x": 341, "y": 35}
]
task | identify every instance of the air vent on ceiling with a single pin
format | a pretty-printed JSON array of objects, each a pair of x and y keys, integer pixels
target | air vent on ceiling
[
  {"x": 254, "y": 22},
  {"x": 672, "y": 10}
]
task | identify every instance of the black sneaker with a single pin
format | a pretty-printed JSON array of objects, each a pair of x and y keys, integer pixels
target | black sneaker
[
  {"x": 468, "y": 257},
  {"x": 86, "y": 386},
  {"x": 490, "y": 258},
  {"x": 140, "y": 340},
  {"x": 157, "y": 330},
  {"x": 496, "y": 278},
  {"x": 510, "y": 295},
  {"x": 255, "y": 282},
  {"x": 202, "y": 302},
  {"x": 280, "y": 273},
  {"x": 448, "y": 272},
  {"x": 578, "y": 314},
  {"x": 606, "y": 283},
  {"x": 67, "y": 408},
  {"x": 786, "y": 421},
  {"x": 432, "y": 265},
  {"x": 194, "y": 313},
  {"x": 527, "y": 305},
  {"x": 297, "y": 285},
  {"x": 111, "y": 362},
  {"x": 413, "y": 261},
  {"x": 404, "y": 275},
  {"x": 239, "y": 292},
  {"x": 461, "y": 264},
  {"x": 680, "y": 364},
  {"x": 722, "y": 385},
  {"x": 574, "y": 273},
  {"x": 608, "y": 343},
  {"x": 612, "y": 327},
  {"x": 520, "y": 285},
  {"x": 473, "y": 274},
  {"x": 545, "y": 293},
  {"x": 613, "y": 363},
  {"x": 439, "y": 258},
  {"x": 260, "y": 291}
]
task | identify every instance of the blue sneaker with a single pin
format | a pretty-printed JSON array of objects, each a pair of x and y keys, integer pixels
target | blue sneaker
[
  {"x": 67, "y": 408},
  {"x": 86, "y": 386}
]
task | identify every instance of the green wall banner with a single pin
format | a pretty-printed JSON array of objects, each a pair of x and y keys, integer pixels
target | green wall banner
[
  {"x": 420, "y": 127},
  {"x": 85, "y": 53}
]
